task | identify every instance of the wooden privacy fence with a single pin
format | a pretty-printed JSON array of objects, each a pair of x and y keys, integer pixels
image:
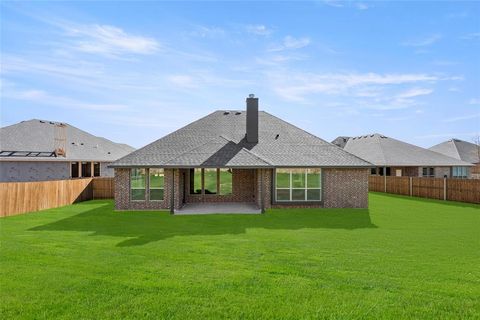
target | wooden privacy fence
[
  {"x": 464, "y": 190},
  {"x": 21, "y": 197}
]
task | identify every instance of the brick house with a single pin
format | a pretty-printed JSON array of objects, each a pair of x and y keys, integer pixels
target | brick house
[
  {"x": 461, "y": 150},
  {"x": 393, "y": 157},
  {"x": 240, "y": 157}
]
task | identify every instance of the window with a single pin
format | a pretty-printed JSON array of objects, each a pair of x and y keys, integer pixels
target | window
[
  {"x": 373, "y": 171},
  {"x": 156, "y": 183},
  {"x": 138, "y": 184},
  {"x": 398, "y": 172},
  {"x": 225, "y": 181},
  {"x": 298, "y": 184},
  {"x": 460, "y": 172},
  {"x": 195, "y": 181},
  {"x": 86, "y": 169},
  {"x": 210, "y": 181},
  {"x": 428, "y": 172},
  {"x": 74, "y": 169},
  {"x": 96, "y": 169}
]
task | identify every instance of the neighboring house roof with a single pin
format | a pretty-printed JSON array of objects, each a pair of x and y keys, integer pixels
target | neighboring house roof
[
  {"x": 39, "y": 136},
  {"x": 384, "y": 151},
  {"x": 218, "y": 140},
  {"x": 459, "y": 149},
  {"x": 340, "y": 141}
]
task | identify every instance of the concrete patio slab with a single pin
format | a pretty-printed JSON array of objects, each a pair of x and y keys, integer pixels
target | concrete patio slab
[{"x": 219, "y": 208}]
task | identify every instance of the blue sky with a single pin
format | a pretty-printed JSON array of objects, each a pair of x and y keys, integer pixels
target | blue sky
[{"x": 133, "y": 72}]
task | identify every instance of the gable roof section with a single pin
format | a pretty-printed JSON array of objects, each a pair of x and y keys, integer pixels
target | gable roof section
[
  {"x": 459, "y": 149},
  {"x": 384, "y": 151},
  {"x": 39, "y": 135},
  {"x": 218, "y": 140}
]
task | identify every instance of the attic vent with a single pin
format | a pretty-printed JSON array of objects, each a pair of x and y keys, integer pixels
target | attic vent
[
  {"x": 109, "y": 152},
  {"x": 276, "y": 137},
  {"x": 226, "y": 113},
  {"x": 42, "y": 121},
  {"x": 372, "y": 136},
  {"x": 237, "y": 113},
  {"x": 383, "y": 137},
  {"x": 52, "y": 122},
  {"x": 73, "y": 143},
  {"x": 81, "y": 143}
]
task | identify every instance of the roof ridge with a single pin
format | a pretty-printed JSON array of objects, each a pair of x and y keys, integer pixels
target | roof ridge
[
  {"x": 456, "y": 149},
  {"x": 378, "y": 137}
]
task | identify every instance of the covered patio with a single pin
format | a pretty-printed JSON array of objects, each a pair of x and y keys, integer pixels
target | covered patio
[{"x": 218, "y": 208}]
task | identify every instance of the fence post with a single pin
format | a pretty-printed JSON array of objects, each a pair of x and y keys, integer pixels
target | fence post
[
  {"x": 444, "y": 188},
  {"x": 411, "y": 186},
  {"x": 385, "y": 179}
]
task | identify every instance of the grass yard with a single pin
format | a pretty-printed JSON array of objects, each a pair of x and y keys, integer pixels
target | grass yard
[{"x": 402, "y": 258}]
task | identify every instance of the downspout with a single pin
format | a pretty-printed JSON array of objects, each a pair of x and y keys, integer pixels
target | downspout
[
  {"x": 385, "y": 179},
  {"x": 262, "y": 204},
  {"x": 172, "y": 200}
]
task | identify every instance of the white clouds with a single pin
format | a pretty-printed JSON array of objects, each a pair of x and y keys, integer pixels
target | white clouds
[
  {"x": 415, "y": 92},
  {"x": 461, "y": 118},
  {"x": 423, "y": 42},
  {"x": 207, "y": 32},
  {"x": 291, "y": 43},
  {"x": 259, "y": 30},
  {"x": 361, "y": 6},
  {"x": 44, "y": 98},
  {"x": 471, "y": 36},
  {"x": 474, "y": 101},
  {"x": 109, "y": 40}
]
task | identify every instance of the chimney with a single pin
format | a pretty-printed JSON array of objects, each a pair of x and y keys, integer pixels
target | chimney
[{"x": 252, "y": 119}]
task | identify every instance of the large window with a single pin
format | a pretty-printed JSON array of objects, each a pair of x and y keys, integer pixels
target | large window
[
  {"x": 210, "y": 181},
  {"x": 298, "y": 184},
  {"x": 225, "y": 181},
  {"x": 428, "y": 172},
  {"x": 96, "y": 169},
  {"x": 138, "y": 183},
  {"x": 74, "y": 169},
  {"x": 460, "y": 172},
  {"x": 156, "y": 184},
  {"x": 195, "y": 181},
  {"x": 86, "y": 169},
  {"x": 215, "y": 181}
]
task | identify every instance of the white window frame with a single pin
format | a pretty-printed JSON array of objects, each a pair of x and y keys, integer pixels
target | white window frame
[{"x": 290, "y": 188}]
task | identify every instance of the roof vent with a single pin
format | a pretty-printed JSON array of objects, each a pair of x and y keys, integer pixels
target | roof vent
[
  {"x": 276, "y": 137},
  {"x": 42, "y": 121},
  {"x": 52, "y": 122},
  {"x": 81, "y": 143},
  {"x": 226, "y": 113},
  {"x": 109, "y": 152},
  {"x": 238, "y": 112}
]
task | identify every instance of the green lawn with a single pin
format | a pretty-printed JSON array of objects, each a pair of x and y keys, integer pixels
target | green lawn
[{"x": 402, "y": 258}]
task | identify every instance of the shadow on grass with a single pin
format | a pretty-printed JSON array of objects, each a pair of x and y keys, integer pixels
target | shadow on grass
[{"x": 144, "y": 227}]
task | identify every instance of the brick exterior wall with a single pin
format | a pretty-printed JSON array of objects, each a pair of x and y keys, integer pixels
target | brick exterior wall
[
  {"x": 122, "y": 192},
  {"x": 342, "y": 188},
  {"x": 345, "y": 188}
]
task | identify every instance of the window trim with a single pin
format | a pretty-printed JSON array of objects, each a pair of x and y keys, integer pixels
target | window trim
[
  {"x": 148, "y": 186},
  {"x": 218, "y": 182},
  {"x": 428, "y": 175},
  {"x": 296, "y": 202},
  {"x": 463, "y": 169}
]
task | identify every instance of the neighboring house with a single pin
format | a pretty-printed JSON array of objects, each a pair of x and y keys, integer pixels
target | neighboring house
[
  {"x": 392, "y": 157},
  {"x": 462, "y": 150},
  {"x": 240, "y": 156},
  {"x": 38, "y": 150},
  {"x": 340, "y": 141}
]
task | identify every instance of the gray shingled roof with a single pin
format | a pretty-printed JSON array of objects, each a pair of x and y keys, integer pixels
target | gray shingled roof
[
  {"x": 39, "y": 135},
  {"x": 459, "y": 149},
  {"x": 340, "y": 141},
  {"x": 218, "y": 140},
  {"x": 384, "y": 151}
]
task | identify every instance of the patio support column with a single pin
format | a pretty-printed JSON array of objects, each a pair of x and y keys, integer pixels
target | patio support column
[
  {"x": 262, "y": 199},
  {"x": 172, "y": 193}
]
